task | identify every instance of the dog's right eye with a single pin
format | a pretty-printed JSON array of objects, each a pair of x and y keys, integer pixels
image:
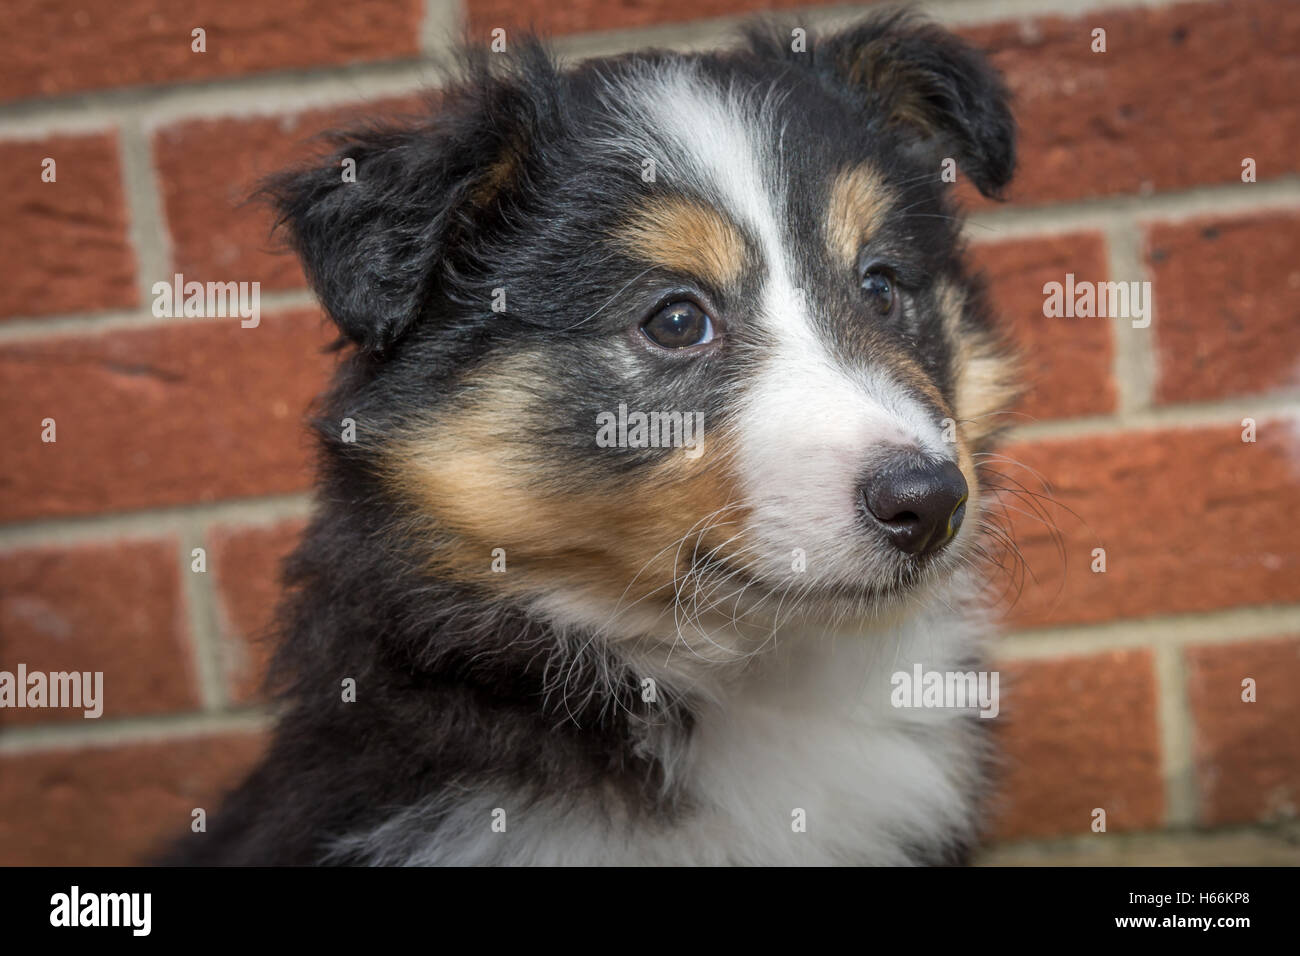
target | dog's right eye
[{"x": 679, "y": 325}]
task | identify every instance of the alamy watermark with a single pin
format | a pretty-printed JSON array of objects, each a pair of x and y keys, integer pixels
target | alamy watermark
[
  {"x": 80, "y": 690},
  {"x": 1101, "y": 300},
  {"x": 626, "y": 429},
  {"x": 949, "y": 689},
  {"x": 133, "y": 911},
  {"x": 208, "y": 300}
]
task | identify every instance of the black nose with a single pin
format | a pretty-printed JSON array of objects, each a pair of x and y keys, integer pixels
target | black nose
[{"x": 918, "y": 503}]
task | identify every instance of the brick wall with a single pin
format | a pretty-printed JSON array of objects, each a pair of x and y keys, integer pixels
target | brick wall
[{"x": 1122, "y": 689}]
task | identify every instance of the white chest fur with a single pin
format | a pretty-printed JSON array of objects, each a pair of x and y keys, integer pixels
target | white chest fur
[
  {"x": 812, "y": 763},
  {"x": 805, "y": 761}
]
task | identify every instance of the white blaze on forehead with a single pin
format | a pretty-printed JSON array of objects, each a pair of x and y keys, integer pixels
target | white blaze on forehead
[
  {"x": 809, "y": 424},
  {"x": 726, "y": 144},
  {"x": 716, "y": 141}
]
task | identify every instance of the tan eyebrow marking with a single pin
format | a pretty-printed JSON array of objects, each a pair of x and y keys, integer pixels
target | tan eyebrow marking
[
  {"x": 859, "y": 200},
  {"x": 688, "y": 237}
]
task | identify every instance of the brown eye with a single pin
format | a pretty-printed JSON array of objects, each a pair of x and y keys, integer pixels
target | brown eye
[
  {"x": 678, "y": 326},
  {"x": 878, "y": 286}
]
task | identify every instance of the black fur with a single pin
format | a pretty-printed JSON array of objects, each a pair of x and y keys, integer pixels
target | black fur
[{"x": 901, "y": 71}]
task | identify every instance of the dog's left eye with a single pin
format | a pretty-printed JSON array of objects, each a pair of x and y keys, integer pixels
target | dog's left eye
[
  {"x": 679, "y": 325},
  {"x": 879, "y": 287}
]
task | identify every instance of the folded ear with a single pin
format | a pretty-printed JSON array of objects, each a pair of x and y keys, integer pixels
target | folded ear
[
  {"x": 919, "y": 76},
  {"x": 374, "y": 223}
]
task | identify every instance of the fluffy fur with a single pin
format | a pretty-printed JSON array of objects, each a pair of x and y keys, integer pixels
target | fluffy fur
[{"x": 683, "y": 651}]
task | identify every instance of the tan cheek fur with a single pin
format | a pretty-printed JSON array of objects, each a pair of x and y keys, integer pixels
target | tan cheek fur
[
  {"x": 475, "y": 473},
  {"x": 986, "y": 385},
  {"x": 987, "y": 379}
]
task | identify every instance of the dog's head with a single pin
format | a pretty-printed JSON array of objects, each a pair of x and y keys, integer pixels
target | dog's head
[{"x": 667, "y": 340}]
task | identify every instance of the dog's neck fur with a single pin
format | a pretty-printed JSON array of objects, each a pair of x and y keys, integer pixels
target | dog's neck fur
[
  {"x": 804, "y": 734},
  {"x": 460, "y": 715}
]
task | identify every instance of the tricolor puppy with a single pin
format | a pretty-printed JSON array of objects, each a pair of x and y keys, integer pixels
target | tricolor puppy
[{"x": 669, "y": 390}]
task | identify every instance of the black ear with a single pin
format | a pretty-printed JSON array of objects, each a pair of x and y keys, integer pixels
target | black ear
[
  {"x": 373, "y": 233},
  {"x": 917, "y": 75}
]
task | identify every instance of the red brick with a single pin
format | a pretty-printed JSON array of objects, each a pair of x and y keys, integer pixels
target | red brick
[
  {"x": 1067, "y": 361},
  {"x": 64, "y": 244},
  {"x": 112, "y": 607},
  {"x": 191, "y": 410},
  {"x": 1228, "y": 293},
  {"x": 60, "y": 46},
  {"x": 1077, "y": 734},
  {"x": 210, "y": 168},
  {"x": 582, "y": 15},
  {"x": 1247, "y": 754},
  {"x": 1191, "y": 519},
  {"x": 247, "y": 566},
  {"x": 114, "y": 806},
  {"x": 1183, "y": 94}
]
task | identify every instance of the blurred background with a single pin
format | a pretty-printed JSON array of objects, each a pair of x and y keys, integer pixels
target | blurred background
[{"x": 1171, "y": 155}]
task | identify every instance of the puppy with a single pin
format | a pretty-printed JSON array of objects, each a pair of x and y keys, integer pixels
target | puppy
[{"x": 654, "y": 458}]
